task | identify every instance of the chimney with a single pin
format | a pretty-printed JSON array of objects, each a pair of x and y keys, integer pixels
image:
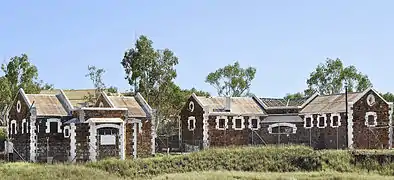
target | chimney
[{"x": 228, "y": 104}]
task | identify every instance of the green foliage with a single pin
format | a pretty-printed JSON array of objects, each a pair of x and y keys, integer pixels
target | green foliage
[
  {"x": 294, "y": 96},
  {"x": 389, "y": 97},
  {"x": 112, "y": 89},
  {"x": 96, "y": 75},
  {"x": 232, "y": 80},
  {"x": 3, "y": 133},
  {"x": 19, "y": 73},
  {"x": 12, "y": 171},
  {"x": 294, "y": 159},
  {"x": 255, "y": 159},
  {"x": 330, "y": 77}
]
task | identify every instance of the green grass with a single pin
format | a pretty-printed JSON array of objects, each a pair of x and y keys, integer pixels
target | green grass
[
  {"x": 257, "y": 161},
  {"x": 27, "y": 171},
  {"x": 229, "y": 175}
]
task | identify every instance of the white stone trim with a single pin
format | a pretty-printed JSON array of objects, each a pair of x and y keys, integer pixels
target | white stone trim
[
  {"x": 107, "y": 99},
  {"x": 59, "y": 125},
  {"x": 250, "y": 122},
  {"x": 16, "y": 126},
  {"x": 390, "y": 125},
  {"x": 135, "y": 124},
  {"x": 18, "y": 106},
  {"x": 191, "y": 106},
  {"x": 101, "y": 104},
  {"x": 225, "y": 122},
  {"x": 282, "y": 124},
  {"x": 324, "y": 119},
  {"x": 311, "y": 121},
  {"x": 92, "y": 142},
  {"x": 153, "y": 127},
  {"x": 235, "y": 122},
  {"x": 188, "y": 123},
  {"x": 33, "y": 135},
  {"x": 73, "y": 143},
  {"x": 23, "y": 126},
  {"x": 93, "y": 139},
  {"x": 350, "y": 126},
  {"x": 205, "y": 128},
  {"x": 332, "y": 120},
  {"x": 64, "y": 131},
  {"x": 22, "y": 92},
  {"x": 375, "y": 118}
]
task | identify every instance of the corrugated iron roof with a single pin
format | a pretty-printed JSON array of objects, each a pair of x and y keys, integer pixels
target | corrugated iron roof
[
  {"x": 239, "y": 105},
  {"x": 134, "y": 108},
  {"x": 75, "y": 96},
  {"x": 47, "y": 105},
  {"x": 279, "y": 102},
  {"x": 329, "y": 103}
]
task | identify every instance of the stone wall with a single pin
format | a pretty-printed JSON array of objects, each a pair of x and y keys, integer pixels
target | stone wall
[
  {"x": 107, "y": 113},
  {"x": 82, "y": 134},
  {"x": 192, "y": 137},
  {"x": 144, "y": 143},
  {"x": 370, "y": 137},
  {"x": 21, "y": 139},
  {"x": 51, "y": 144}
]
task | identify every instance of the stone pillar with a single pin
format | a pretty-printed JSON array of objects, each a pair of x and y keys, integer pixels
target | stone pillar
[
  {"x": 33, "y": 135},
  {"x": 350, "y": 126},
  {"x": 92, "y": 142},
  {"x": 73, "y": 143}
]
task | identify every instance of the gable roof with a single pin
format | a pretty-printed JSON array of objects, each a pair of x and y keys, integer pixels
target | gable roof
[
  {"x": 281, "y": 103},
  {"x": 336, "y": 102},
  {"x": 239, "y": 105},
  {"x": 330, "y": 103},
  {"x": 276, "y": 102},
  {"x": 134, "y": 108},
  {"x": 47, "y": 105},
  {"x": 75, "y": 96}
]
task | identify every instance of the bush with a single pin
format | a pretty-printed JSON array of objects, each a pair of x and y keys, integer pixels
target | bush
[
  {"x": 252, "y": 159},
  {"x": 273, "y": 159}
]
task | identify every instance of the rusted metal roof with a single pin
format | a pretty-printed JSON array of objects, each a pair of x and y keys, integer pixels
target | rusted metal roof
[
  {"x": 47, "y": 105},
  {"x": 134, "y": 108},
  {"x": 238, "y": 105},
  {"x": 329, "y": 103}
]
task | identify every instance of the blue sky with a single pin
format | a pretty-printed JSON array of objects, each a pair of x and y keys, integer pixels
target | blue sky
[{"x": 284, "y": 40}]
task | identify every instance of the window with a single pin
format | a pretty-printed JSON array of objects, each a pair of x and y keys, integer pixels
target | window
[
  {"x": 321, "y": 121},
  {"x": 282, "y": 128},
  {"x": 53, "y": 127},
  {"x": 238, "y": 123},
  {"x": 335, "y": 120},
  {"x": 371, "y": 119},
  {"x": 24, "y": 125},
  {"x": 221, "y": 122},
  {"x": 66, "y": 131},
  {"x": 13, "y": 128},
  {"x": 308, "y": 121},
  {"x": 254, "y": 123},
  {"x": 191, "y": 123}
]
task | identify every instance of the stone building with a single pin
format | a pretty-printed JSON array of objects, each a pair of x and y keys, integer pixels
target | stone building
[
  {"x": 48, "y": 128},
  {"x": 139, "y": 122},
  {"x": 317, "y": 121}
]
